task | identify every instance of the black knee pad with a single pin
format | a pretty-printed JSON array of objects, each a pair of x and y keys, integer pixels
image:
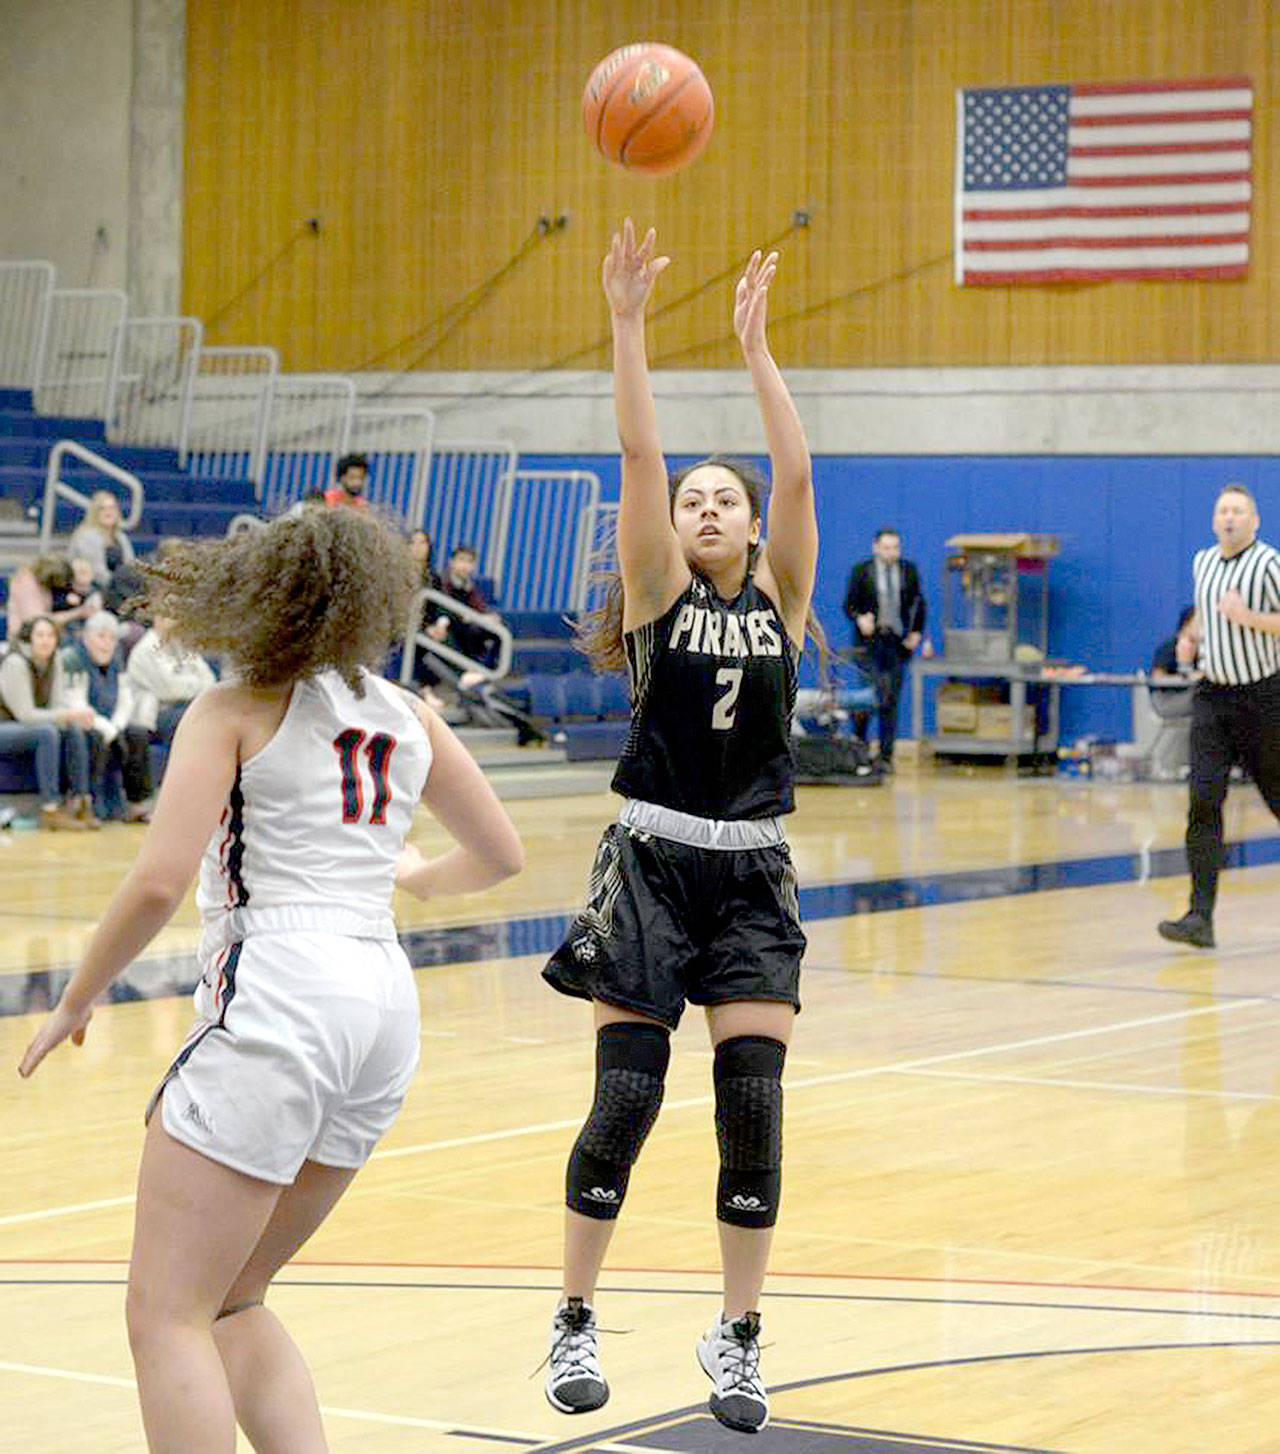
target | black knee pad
[
  {"x": 631, "y": 1064},
  {"x": 748, "y": 1078}
]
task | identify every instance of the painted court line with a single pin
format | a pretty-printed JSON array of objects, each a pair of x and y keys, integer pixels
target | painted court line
[
  {"x": 69, "y": 1211},
  {"x": 840, "y": 1077},
  {"x": 1128, "y": 1087},
  {"x": 447, "y": 1426}
]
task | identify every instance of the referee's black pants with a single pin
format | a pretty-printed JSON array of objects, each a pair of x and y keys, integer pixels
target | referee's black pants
[{"x": 1228, "y": 725}]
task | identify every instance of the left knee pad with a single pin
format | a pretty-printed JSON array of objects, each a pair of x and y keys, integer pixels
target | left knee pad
[
  {"x": 748, "y": 1080},
  {"x": 631, "y": 1064}
]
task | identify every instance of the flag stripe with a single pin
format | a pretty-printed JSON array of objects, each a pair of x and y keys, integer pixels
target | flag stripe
[
  {"x": 1195, "y": 273},
  {"x": 1077, "y": 253},
  {"x": 1150, "y": 179},
  {"x": 1146, "y": 88},
  {"x": 1130, "y": 122},
  {"x": 1146, "y": 229},
  {"x": 1052, "y": 214},
  {"x": 1149, "y": 163},
  {"x": 1158, "y": 240},
  {"x": 1236, "y": 192},
  {"x": 1158, "y": 148}
]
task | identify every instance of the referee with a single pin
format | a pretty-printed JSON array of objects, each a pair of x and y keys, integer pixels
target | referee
[{"x": 1236, "y": 709}]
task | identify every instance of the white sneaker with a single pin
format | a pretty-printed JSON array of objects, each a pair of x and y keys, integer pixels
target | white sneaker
[
  {"x": 575, "y": 1381},
  {"x": 730, "y": 1357}
]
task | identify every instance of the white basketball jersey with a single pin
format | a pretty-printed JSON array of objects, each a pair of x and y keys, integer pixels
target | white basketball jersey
[{"x": 316, "y": 820}]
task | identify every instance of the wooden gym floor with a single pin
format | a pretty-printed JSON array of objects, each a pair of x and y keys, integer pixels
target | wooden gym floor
[{"x": 1032, "y": 1169}]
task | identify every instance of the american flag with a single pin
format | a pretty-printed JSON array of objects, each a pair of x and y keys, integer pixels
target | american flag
[{"x": 1085, "y": 182}]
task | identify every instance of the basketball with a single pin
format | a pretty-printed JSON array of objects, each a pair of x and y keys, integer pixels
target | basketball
[{"x": 648, "y": 108}]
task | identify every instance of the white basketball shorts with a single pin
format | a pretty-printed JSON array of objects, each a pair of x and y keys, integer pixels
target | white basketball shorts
[{"x": 303, "y": 1049}]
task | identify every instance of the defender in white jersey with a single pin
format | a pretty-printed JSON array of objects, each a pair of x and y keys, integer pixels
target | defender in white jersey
[
  {"x": 292, "y": 790},
  {"x": 693, "y": 895},
  {"x": 1235, "y": 634}
]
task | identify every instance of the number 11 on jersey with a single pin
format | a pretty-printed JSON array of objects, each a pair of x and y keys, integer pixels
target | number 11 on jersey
[{"x": 378, "y": 750}]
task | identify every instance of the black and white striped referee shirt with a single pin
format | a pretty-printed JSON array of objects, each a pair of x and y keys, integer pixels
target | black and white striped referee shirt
[{"x": 1234, "y": 655}]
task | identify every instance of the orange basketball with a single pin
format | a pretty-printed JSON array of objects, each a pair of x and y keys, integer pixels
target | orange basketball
[{"x": 648, "y": 107}]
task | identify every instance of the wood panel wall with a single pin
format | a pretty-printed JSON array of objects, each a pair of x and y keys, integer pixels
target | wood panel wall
[{"x": 427, "y": 137}]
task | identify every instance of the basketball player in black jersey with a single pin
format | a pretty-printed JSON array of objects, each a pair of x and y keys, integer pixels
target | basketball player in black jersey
[{"x": 693, "y": 897}]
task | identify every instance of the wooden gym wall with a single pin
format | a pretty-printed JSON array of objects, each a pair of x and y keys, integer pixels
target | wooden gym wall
[{"x": 429, "y": 136}]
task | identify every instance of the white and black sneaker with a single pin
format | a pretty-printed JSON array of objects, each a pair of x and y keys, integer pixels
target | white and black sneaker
[
  {"x": 575, "y": 1381},
  {"x": 730, "y": 1357}
]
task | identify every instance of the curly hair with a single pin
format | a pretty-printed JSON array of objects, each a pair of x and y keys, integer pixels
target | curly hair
[{"x": 323, "y": 589}]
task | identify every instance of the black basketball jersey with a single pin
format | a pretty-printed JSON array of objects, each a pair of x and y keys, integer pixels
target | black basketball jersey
[{"x": 713, "y": 686}]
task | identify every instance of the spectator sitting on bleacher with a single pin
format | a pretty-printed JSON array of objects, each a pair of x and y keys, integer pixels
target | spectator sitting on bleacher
[
  {"x": 100, "y": 540},
  {"x": 165, "y": 678},
  {"x": 37, "y": 713},
  {"x": 468, "y": 637},
  {"x": 352, "y": 475},
  {"x": 50, "y": 586},
  {"x": 96, "y": 667}
]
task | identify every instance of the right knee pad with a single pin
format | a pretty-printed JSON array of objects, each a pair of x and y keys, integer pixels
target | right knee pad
[{"x": 631, "y": 1064}]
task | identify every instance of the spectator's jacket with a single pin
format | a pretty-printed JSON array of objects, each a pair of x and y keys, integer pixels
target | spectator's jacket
[
  {"x": 107, "y": 690},
  {"x": 160, "y": 671},
  {"x": 89, "y": 542},
  {"x": 472, "y": 640},
  {"x": 18, "y": 688}
]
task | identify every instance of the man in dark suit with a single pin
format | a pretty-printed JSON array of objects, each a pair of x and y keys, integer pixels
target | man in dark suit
[{"x": 886, "y": 605}]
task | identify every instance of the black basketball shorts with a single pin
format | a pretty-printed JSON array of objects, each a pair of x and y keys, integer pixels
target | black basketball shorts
[{"x": 668, "y": 922}]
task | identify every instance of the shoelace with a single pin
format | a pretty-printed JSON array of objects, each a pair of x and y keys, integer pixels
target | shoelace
[
  {"x": 742, "y": 1360},
  {"x": 574, "y": 1351},
  {"x": 576, "y": 1344}
]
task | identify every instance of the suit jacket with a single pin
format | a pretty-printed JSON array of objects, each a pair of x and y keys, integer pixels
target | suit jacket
[{"x": 861, "y": 596}]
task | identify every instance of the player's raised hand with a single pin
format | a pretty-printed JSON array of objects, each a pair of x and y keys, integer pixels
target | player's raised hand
[
  {"x": 630, "y": 269},
  {"x": 751, "y": 300}
]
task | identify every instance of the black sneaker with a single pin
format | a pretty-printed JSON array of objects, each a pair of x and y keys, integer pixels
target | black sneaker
[
  {"x": 1192, "y": 929},
  {"x": 575, "y": 1381}
]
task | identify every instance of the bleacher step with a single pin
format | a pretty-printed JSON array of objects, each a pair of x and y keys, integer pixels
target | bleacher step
[
  {"x": 531, "y": 772},
  {"x": 569, "y": 779}
]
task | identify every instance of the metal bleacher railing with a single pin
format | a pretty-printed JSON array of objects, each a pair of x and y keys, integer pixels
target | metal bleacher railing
[
  {"x": 223, "y": 430},
  {"x": 465, "y": 497},
  {"x": 55, "y": 488},
  {"x": 308, "y": 426},
  {"x": 417, "y": 640},
  {"x": 24, "y": 287},
  {"x": 600, "y": 560},
  {"x": 149, "y": 384},
  {"x": 230, "y": 412},
  {"x": 76, "y": 343},
  {"x": 544, "y": 537},
  {"x": 398, "y": 443}
]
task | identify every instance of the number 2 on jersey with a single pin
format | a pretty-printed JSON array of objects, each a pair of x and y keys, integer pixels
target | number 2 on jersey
[
  {"x": 378, "y": 750},
  {"x": 730, "y": 678}
]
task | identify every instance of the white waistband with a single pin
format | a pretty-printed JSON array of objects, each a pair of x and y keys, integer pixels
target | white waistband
[
  {"x": 728, "y": 835},
  {"x": 226, "y": 928}
]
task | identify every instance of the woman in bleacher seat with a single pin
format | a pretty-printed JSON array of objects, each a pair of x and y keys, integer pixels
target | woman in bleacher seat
[
  {"x": 37, "y": 713},
  {"x": 49, "y": 587},
  {"x": 166, "y": 677},
  {"x": 96, "y": 668},
  {"x": 100, "y": 540}
]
